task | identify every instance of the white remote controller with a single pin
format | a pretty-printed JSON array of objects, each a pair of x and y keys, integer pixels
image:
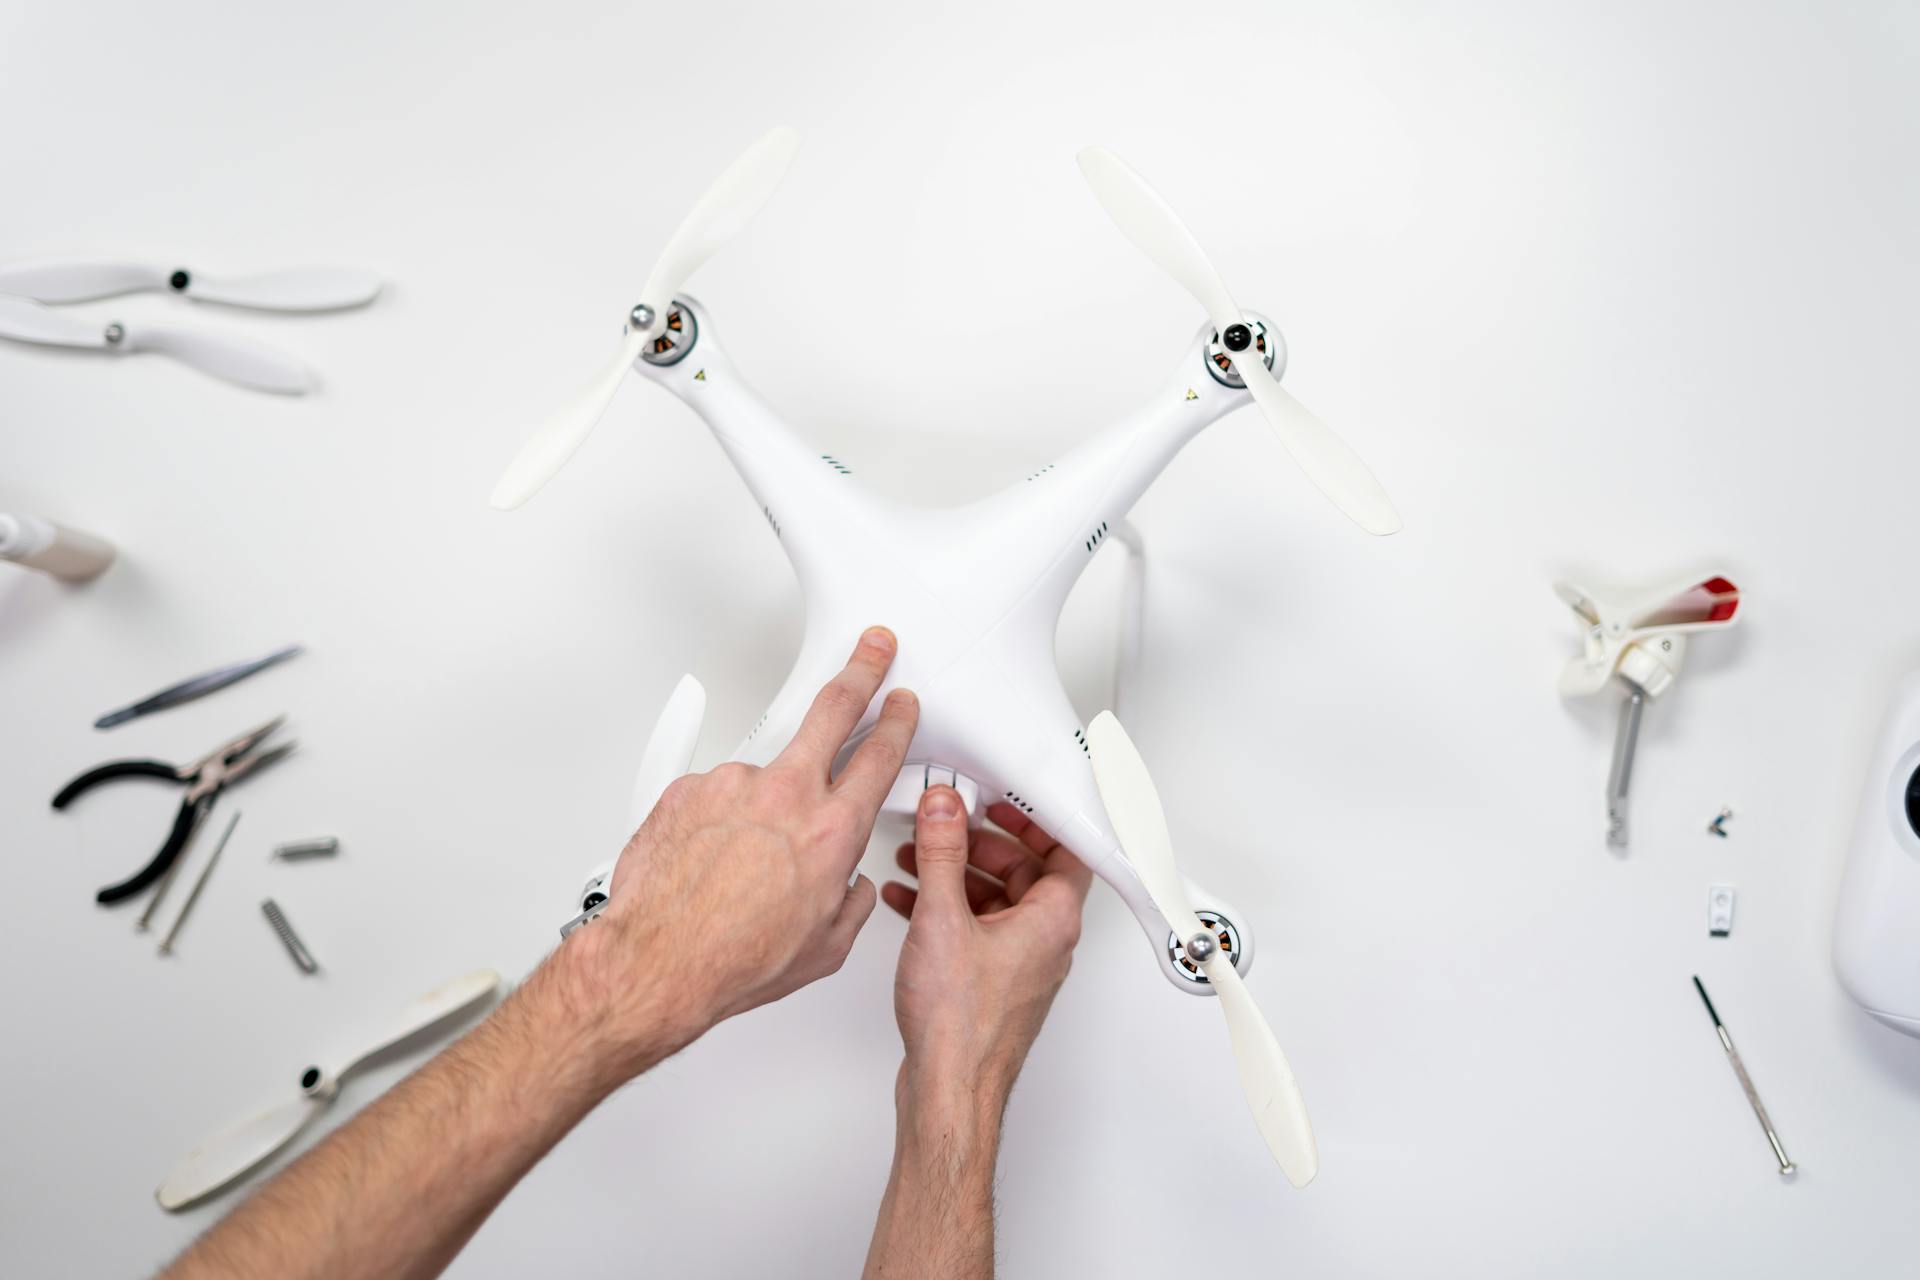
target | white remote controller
[{"x": 1876, "y": 933}]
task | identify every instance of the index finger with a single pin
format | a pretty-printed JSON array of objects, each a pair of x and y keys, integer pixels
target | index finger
[{"x": 837, "y": 708}]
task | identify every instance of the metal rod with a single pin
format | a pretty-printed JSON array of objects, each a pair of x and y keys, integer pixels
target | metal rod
[
  {"x": 1746, "y": 1081},
  {"x": 295, "y": 947},
  {"x": 1621, "y": 775},
  {"x": 193, "y": 896},
  {"x": 166, "y": 879},
  {"x": 319, "y": 847}
]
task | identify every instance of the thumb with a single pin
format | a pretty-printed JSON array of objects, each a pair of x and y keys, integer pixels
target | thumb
[{"x": 940, "y": 849}]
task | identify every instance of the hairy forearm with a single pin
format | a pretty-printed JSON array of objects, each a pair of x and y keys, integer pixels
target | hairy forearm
[
  {"x": 936, "y": 1219},
  {"x": 399, "y": 1190}
]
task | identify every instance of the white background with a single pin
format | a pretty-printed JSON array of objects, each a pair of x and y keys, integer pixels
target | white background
[{"x": 1600, "y": 290}]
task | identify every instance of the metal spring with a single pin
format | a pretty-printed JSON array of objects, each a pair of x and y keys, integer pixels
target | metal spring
[{"x": 295, "y": 947}]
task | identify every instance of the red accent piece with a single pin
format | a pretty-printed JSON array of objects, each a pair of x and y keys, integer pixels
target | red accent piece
[{"x": 1722, "y": 609}]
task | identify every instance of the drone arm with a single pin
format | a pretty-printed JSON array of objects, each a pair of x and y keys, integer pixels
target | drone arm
[
  {"x": 1046, "y": 529},
  {"x": 809, "y": 499},
  {"x": 1133, "y": 612}
]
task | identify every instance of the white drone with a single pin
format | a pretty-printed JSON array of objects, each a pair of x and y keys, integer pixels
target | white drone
[{"x": 974, "y": 593}]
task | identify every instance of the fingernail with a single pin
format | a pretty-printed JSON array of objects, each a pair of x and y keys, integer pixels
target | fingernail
[
  {"x": 940, "y": 803},
  {"x": 879, "y": 638},
  {"x": 902, "y": 698}
]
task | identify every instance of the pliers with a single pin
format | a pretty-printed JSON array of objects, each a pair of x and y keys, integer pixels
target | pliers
[{"x": 204, "y": 778}]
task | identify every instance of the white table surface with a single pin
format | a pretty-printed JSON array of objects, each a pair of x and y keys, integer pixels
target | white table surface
[{"x": 1608, "y": 290}]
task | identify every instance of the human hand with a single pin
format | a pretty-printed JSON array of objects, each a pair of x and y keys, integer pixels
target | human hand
[
  {"x": 734, "y": 890},
  {"x": 990, "y": 936}
]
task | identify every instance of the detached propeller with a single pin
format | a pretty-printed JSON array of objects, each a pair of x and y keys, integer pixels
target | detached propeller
[
  {"x": 301, "y": 289},
  {"x": 250, "y": 364},
  {"x": 1156, "y": 230},
  {"x": 228, "y": 1155},
  {"x": 1134, "y": 809},
  {"x": 729, "y": 203}
]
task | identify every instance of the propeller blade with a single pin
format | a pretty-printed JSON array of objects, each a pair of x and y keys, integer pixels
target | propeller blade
[
  {"x": 25, "y": 320},
  {"x": 436, "y": 1006},
  {"x": 728, "y": 205},
  {"x": 1133, "y": 807},
  {"x": 237, "y": 360},
  {"x": 302, "y": 289},
  {"x": 67, "y": 281},
  {"x": 1157, "y": 231},
  {"x": 669, "y": 752},
  {"x": 735, "y": 196},
  {"x": 1265, "y": 1076},
  {"x": 1332, "y": 465},
  {"x": 228, "y": 1155},
  {"x": 562, "y": 434}
]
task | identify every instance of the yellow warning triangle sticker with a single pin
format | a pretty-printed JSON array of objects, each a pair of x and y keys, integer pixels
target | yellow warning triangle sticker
[
  {"x": 1192, "y": 394},
  {"x": 700, "y": 376}
]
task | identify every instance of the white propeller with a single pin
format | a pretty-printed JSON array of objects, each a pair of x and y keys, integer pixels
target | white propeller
[
  {"x": 729, "y": 203},
  {"x": 235, "y": 359},
  {"x": 221, "y": 1159},
  {"x": 1156, "y": 230},
  {"x": 1133, "y": 807},
  {"x": 301, "y": 289}
]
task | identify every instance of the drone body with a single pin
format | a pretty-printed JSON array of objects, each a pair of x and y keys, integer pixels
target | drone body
[{"x": 974, "y": 593}]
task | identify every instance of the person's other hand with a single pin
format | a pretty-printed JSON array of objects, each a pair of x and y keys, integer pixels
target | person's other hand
[
  {"x": 990, "y": 934},
  {"x": 734, "y": 890}
]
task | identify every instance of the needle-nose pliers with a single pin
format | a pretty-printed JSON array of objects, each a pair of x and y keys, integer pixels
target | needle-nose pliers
[{"x": 204, "y": 779}]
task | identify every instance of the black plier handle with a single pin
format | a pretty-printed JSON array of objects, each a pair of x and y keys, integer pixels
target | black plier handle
[
  {"x": 204, "y": 778},
  {"x": 183, "y": 822},
  {"x": 111, "y": 770}
]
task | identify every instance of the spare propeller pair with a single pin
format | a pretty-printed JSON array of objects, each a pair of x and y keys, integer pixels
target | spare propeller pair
[
  {"x": 24, "y": 289},
  {"x": 1139, "y": 210}
]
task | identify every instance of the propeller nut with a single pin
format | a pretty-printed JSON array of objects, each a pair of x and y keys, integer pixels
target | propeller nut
[
  {"x": 1218, "y": 937},
  {"x": 641, "y": 316},
  {"x": 1257, "y": 336}
]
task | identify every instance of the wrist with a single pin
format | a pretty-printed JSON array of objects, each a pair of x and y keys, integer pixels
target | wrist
[
  {"x": 617, "y": 1017},
  {"x": 943, "y": 1111}
]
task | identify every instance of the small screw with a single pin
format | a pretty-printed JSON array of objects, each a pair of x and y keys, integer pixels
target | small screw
[
  {"x": 114, "y": 335},
  {"x": 179, "y": 280},
  {"x": 1718, "y": 827}
]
